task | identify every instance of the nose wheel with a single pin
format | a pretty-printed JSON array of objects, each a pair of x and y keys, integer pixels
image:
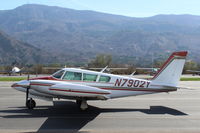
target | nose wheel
[{"x": 30, "y": 103}]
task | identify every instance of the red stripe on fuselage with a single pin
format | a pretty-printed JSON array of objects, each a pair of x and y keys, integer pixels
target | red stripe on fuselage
[
  {"x": 170, "y": 59},
  {"x": 120, "y": 89},
  {"x": 39, "y": 84},
  {"x": 148, "y": 90},
  {"x": 15, "y": 85},
  {"x": 79, "y": 91}
]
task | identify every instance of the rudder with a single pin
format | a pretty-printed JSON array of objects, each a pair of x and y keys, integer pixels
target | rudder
[{"x": 170, "y": 73}]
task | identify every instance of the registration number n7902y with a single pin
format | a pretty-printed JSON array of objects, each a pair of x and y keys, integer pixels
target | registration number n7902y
[{"x": 132, "y": 83}]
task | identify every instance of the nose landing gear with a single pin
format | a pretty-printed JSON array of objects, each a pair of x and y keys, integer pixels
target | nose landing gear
[{"x": 30, "y": 103}]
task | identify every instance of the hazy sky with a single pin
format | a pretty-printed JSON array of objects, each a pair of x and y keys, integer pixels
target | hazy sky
[{"x": 134, "y": 8}]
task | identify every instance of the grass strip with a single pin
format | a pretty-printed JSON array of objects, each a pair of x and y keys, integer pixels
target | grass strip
[
  {"x": 12, "y": 78},
  {"x": 190, "y": 79}
]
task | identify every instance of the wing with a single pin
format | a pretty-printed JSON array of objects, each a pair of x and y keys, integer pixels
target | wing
[
  {"x": 193, "y": 71},
  {"x": 5, "y": 72}
]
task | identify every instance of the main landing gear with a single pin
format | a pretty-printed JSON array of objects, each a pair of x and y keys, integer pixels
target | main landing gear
[
  {"x": 82, "y": 104},
  {"x": 30, "y": 103}
]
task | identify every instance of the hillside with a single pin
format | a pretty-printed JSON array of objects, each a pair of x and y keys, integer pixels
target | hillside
[
  {"x": 12, "y": 50},
  {"x": 77, "y": 36}
]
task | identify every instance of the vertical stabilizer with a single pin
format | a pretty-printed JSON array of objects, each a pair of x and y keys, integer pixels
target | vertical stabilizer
[{"x": 170, "y": 73}]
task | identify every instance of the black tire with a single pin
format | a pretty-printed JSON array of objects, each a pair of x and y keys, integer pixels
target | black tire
[
  {"x": 30, "y": 104},
  {"x": 78, "y": 102}
]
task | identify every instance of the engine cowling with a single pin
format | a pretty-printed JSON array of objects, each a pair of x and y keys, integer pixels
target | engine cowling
[{"x": 69, "y": 89}]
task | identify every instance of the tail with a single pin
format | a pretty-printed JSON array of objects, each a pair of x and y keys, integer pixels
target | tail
[{"x": 170, "y": 73}]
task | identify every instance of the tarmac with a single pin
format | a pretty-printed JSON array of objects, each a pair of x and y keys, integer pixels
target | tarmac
[{"x": 176, "y": 112}]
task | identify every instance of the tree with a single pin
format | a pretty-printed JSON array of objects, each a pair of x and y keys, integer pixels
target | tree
[
  {"x": 190, "y": 65},
  {"x": 101, "y": 60}
]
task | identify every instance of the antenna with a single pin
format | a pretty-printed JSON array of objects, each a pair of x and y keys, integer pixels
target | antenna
[
  {"x": 152, "y": 61},
  {"x": 104, "y": 69}
]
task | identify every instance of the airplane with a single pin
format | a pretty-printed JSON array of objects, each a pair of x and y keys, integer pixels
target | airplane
[
  {"x": 13, "y": 71},
  {"x": 194, "y": 72},
  {"x": 83, "y": 85}
]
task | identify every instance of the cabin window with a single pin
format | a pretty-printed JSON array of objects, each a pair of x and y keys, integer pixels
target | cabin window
[
  {"x": 58, "y": 74},
  {"x": 104, "y": 79},
  {"x": 72, "y": 76},
  {"x": 89, "y": 77}
]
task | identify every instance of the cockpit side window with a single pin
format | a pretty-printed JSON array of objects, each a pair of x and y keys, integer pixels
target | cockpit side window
[
  {"x": 104, "y": 79},
  {"x": 89, "y": 77},
  {"x": 72, "y": 76},
  {"x": 58, "y": 74}
]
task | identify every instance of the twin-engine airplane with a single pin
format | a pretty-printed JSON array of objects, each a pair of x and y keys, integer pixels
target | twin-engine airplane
[
  {"x": 14, "y": 70},
  {"x": 82, "y": 85}
]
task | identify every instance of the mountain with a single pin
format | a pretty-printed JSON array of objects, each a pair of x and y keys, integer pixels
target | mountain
[
  {"x": 12, "y": 50},
  {"x": 78, "y": 35}
]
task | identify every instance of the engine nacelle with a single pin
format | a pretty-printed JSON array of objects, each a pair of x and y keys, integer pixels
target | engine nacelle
[{"x": 69, "y": 89}]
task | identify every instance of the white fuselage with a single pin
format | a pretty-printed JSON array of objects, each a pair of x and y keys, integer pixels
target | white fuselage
[
  {"x": 82, "y": 85},
  {"x": 118, "y": 86}
]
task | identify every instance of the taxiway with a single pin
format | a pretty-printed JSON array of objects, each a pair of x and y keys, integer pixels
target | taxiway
[{"x": 174, "y": 112}]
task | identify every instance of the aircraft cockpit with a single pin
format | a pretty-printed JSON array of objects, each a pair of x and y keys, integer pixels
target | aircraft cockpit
[{"x": 73, "y": 74}]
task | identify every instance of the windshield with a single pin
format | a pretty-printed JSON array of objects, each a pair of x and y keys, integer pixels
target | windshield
[
  {"x": 72, "y": 76},
  {"x": 58, "y": 74}
]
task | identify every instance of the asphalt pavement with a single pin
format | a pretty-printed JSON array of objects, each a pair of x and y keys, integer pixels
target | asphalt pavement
[{"x": 177, "y": 112}]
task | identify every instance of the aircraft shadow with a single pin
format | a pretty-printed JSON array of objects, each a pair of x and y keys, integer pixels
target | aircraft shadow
[{"x": 65, "y": 116}]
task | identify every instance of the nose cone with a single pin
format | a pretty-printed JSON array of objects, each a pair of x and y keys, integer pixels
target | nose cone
[{"x": 21, "y": 85}]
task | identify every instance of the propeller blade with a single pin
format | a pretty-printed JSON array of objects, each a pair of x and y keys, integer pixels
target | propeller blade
[
  {"x": 28, "y": 77},
  {"x": 27, "y": 89},
  {"x": 27, "y": 93}
]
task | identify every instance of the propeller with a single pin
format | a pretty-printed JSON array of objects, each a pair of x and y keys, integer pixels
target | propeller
[
  {"x": 28, "y": 77},
  {"x": 27, "y": 92}
]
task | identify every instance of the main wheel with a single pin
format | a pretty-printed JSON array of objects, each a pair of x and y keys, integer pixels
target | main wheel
[
  {"x": 82, "y": 104},
  {"x": 78, "y": 102},
  {"x": 30, "y": 104}
]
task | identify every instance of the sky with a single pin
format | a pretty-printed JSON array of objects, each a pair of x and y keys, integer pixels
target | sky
[{"x": 133, "y": 8}]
